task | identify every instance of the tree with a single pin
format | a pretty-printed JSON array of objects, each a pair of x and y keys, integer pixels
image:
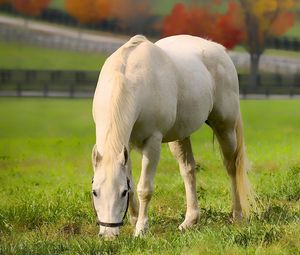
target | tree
[
  {"x": 3, "y": 2},
  {"x": 200, "y": 21},
  {"x": 30, "y": 7},
  {"x": 229, "y": 27},
  {"x": 264, "y": 19},
  {"x": 88, "y": 11},
  {"x": 132, "y": 14},
  {"x": 250, "y": 22}
]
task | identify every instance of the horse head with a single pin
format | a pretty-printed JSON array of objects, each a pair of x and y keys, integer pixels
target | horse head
[{"x": 110, "y": 191}]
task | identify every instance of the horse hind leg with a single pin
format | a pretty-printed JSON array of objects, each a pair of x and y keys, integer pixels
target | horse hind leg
[
  {"x": 230, "y": 137},
  {"x": 182, "y": 150}
]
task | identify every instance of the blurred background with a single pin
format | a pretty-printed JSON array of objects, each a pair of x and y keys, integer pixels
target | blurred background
[{"x": 55, "y": 48}]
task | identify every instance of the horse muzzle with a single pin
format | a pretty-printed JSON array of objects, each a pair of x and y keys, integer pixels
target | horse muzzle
[{"x": 109, "y": 233}]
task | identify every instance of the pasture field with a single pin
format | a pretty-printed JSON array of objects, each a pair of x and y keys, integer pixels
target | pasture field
[
  {"x": 45, "y": 185},
  {"x": 14, "y": 55},
  {"x": 24, "y": 56}
]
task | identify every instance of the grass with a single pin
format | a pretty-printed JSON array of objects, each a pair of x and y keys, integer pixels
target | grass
[
  {"x": 23, "y": 56},
  {"x": 45, "y": 176},
  {"x": 15, "y": 55},
  {"x": 294, "y": 31},
  {"x": 273, "y": 52}
]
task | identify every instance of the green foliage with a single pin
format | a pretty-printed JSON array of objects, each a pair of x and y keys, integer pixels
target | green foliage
[
  {"x": 45, "y": 178},
  {"x": 57, "y": 4}
]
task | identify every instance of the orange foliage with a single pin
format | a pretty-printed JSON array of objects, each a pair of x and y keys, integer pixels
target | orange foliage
[
  {"x": 283, "y": 23},
  {"x": 30, "y": 7},
  {"x": 3, "y": 2},
  {"x": 176, "y": 22},
  {"x": 199, "y": 21},
  {"x": 194, "y": 21},
  {"x": 268, "y": 17},
  {"x": 128, "y": 11},
  {"x": 229, "y": 26},
  {"x": 88, "y": 11}
]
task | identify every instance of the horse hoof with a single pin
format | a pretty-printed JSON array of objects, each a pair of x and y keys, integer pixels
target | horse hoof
[
  {"x": 141, "y": 228},
  {"x": 188, "y": 223},
  {"x": 237, "y": 217},
  {"x": 182, "y": 228},
  {"x": 140, "y": 233},
  {"x": 185, "y": 225}
]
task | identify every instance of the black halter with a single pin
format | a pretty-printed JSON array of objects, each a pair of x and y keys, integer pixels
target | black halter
[{"x": 117, "y": 224}]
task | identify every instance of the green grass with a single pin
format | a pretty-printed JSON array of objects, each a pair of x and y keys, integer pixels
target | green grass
[
  {"x": 45, "y": 176},
  {"x": 57, "y": 4},
  {"x": 23, "y": 56},
  {"x": 273, "y": 52},
  {"x": 294, "y": 31}
]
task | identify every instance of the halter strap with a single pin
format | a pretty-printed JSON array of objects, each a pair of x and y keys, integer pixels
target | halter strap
[{"x": 118, "y": 224}]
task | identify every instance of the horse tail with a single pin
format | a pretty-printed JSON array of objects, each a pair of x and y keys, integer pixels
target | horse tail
[{"x": 243, "y": 187}]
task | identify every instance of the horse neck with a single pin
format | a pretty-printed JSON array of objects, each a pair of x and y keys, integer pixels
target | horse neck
[{"x": 121, "y": 117}]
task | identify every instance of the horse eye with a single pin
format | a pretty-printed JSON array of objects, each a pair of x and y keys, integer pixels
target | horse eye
[
  {"x": 124, "y": 193},
  {"x": 94, "y": 193}
]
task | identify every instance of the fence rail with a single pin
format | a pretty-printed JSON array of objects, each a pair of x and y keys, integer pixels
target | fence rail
[
  {"x": 45, "y": 83},
  {"x": 53, "y": 83}
]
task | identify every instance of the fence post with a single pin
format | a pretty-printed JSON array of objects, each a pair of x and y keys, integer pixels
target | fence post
[
  {"x": 72, "y": 90},
  {"x": 45, "y": 89},
  {"x": 296, "y": 82},
  {"x": 19, "y": 89},
  {"x": 243, "y": 85},
  {"x": 291, "y": 90}
]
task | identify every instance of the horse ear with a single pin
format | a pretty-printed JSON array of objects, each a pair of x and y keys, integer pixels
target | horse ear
[
  {"x": 124, "y": 156},
  {"x": 96, "y": 157}
]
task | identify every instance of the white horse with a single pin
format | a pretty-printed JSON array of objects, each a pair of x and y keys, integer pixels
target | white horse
[{"x": 148, "y": 94}]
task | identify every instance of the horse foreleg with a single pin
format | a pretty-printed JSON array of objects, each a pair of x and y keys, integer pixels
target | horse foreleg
[
  {"x": 150, "y": 158},
  {"x": 182, "y": 150},
  {"x": 133, "y": 204}
]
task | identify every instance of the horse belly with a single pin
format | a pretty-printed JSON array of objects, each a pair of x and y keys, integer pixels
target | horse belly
[{"x": 195, "y": 101}]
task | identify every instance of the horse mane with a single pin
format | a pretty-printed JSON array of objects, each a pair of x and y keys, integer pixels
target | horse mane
[{"x": 122, "y": 103}]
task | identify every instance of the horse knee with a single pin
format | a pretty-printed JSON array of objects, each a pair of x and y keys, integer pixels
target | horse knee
[
  {"x": 187, "y": 170},
  {"x": 144, "y": 194}
]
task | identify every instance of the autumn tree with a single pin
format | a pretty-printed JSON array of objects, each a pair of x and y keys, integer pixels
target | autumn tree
[
  {"x": 30, "y": 7},
  {"x": 264, "y": 19},
  {"x": 3, "y": 2},
  {"x": 229, "y": 26},
  {"x": 88, "y": 11},
  {"x": 132, "y": 13},
  {"x": 224, "y": 28},
  {"x": 127, "y": 13}
]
